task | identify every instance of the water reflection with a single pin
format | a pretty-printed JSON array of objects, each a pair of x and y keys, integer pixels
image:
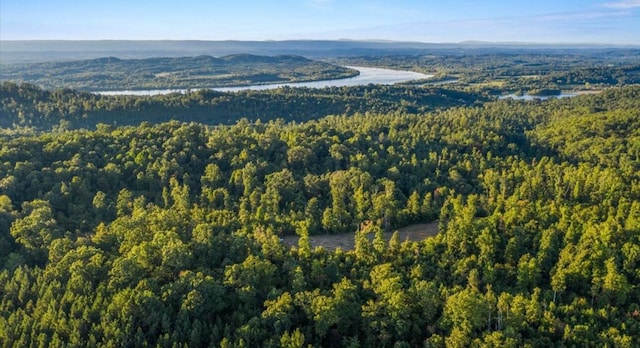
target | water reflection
[{"x": 367, "y": 76}]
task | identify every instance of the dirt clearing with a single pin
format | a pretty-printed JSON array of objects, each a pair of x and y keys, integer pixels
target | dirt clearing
[{"x": 414, "y": 233}]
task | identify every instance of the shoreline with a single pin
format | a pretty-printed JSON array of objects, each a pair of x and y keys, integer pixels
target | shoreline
[{"x": 365, "y": 76}]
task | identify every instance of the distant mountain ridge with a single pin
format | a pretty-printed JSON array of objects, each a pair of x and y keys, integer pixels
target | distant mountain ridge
[
  {"x": 173, "y": 62},
  {"x": 47, "y": 50},
  {"x": 203, "y": 71}
]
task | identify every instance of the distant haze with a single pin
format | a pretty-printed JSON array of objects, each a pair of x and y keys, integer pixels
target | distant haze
[
  {"x": 543, "y": 21},
  {"x": 39, "y": 51}
]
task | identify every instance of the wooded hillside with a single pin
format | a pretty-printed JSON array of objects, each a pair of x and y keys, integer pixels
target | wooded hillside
[
  {"x": 111, "y": 73},
  {"x": 168, "y": 234}
]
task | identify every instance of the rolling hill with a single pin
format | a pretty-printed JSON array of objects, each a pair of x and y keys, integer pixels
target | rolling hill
[{"x": 111, "y": 73}]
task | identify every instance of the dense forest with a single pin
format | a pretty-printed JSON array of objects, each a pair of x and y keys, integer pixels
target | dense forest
[
  {"x": 28, "y": 106},
  {"x": 518, "y": 71},
  {"x": 168, "y": 233},
  {"x": 111, "y": 73}
]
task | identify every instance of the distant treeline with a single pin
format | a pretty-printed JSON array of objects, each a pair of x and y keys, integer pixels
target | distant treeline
[{"x": 515, "y": 71}]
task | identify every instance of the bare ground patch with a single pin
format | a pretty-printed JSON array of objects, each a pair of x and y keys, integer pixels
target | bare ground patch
[{"x": 344, "y": 241}]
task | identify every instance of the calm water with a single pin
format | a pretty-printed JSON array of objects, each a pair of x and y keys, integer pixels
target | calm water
[
  {"x": 534, "y": 97},
  {"x": 367, "y": 75}
]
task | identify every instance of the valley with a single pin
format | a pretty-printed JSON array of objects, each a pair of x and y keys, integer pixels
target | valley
[
  {"x": 111, "y": 73},
  {"x": 268, "y": 217}
]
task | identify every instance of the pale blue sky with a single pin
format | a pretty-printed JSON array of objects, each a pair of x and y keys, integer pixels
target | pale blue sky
[{"x": 548, "y": 21}]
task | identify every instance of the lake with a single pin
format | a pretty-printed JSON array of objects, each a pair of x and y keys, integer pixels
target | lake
[
  {"x": 534, "y": 97},
  {"x": 367, "y": 76}
]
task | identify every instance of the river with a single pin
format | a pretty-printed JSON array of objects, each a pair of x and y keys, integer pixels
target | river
[{"x": 377, "y": 76}]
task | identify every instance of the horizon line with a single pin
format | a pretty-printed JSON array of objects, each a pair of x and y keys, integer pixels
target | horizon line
[{"x": 378, "y": 41}]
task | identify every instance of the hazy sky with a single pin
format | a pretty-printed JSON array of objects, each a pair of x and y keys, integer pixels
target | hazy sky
[{"x": 584, "y": 21}]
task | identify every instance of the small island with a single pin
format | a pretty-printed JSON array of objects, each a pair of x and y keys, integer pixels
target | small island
[
  {"x": 110, "y": 73},
  {"x": 544, "y": 92}
]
